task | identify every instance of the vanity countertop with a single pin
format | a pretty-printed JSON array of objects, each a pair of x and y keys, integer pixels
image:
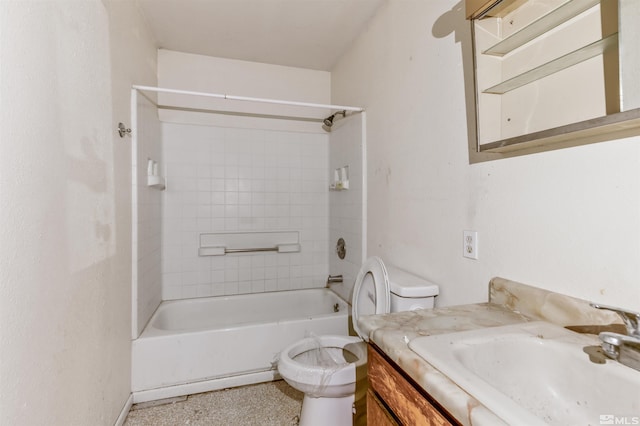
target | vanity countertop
[{"x": 510, "y": 303}]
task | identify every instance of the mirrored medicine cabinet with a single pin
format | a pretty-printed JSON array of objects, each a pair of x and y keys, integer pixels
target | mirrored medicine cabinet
[{"x": 554, "y": 73}]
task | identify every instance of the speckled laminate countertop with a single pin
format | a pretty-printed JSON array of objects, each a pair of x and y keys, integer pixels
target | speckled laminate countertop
[{"x": 510, "y": 303}]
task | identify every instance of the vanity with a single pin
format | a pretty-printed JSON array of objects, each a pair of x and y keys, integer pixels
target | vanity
[
  {"x": 420, "y": 361},
  {"x": 394, "y": 398}
]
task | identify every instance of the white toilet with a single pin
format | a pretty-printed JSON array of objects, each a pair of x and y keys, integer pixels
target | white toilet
[{"x": 329, "y": 369}]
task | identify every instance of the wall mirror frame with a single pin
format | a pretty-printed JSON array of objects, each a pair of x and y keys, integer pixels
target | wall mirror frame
[{"x": 551, "y": 74}]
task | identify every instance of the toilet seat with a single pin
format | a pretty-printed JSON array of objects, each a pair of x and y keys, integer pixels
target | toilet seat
[
  {"x": 312, "y": 378},
  {"x": 371, "y": 293}
]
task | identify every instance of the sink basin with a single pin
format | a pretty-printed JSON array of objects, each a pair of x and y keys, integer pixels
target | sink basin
[{"x": 534, "y": 374}]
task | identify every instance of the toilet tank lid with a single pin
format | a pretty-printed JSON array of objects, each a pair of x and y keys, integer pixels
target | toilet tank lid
[{"x": 405, "y": 284}]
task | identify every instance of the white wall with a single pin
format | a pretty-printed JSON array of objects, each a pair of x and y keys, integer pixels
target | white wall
[
  {"x": 567, "y": 221},
  {"x": 185, "y": 71},
  {"x": 65, "y": 224},
  {"x": 242, "y": 180}
]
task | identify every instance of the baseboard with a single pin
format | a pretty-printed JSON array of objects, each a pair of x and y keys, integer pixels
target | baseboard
[
  {"x": 125, "y": 411},
  {"x": 204, "y": 386}
]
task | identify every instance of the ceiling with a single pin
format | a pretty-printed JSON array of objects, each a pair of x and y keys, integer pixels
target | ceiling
[{"x": 299, "y": 33}]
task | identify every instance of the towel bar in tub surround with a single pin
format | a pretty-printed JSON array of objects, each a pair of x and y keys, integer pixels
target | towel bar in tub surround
[
  {"x": 221, "y": 251},
  {"x": 219, "y": 244}
]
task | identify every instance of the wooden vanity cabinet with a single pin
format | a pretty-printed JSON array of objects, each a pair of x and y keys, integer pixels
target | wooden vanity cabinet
[{"x": 393, "y": 398}]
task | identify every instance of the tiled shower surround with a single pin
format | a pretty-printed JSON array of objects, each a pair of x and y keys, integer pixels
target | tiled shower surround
[
  {"x": 229, "y": 179},
  {"x": 147, "y": 220}
]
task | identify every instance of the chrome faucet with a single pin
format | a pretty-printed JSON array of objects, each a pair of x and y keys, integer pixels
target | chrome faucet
[
  {"x": 623, "y": 348},
  {"x": 334, "y": 279}
]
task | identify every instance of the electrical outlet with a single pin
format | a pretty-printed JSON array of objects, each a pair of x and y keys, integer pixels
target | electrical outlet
[{"x": 470, "y": 244}]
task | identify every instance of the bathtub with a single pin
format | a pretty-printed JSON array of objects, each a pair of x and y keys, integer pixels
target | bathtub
[{"x": 198, "y": 345}]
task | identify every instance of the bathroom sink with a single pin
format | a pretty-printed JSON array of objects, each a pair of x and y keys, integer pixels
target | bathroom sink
[{"x": 534, "y": 374}]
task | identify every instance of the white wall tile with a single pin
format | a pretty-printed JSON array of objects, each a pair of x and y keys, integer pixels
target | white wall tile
[
  {"x": 147, "y": 225},
  {"x": 227, "y": 179},
  {"x": 346, "y": 207}
]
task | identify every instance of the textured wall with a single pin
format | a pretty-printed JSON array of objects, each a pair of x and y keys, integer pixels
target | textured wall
[
  {"x": 565, "y": 220},
  {"x": 65, "y": 224}
]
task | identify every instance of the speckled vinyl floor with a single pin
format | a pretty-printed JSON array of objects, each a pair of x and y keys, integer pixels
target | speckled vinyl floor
[{"x": 274, "y": 403}]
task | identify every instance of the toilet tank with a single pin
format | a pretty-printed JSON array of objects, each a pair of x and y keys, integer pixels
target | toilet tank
[{"x": 409, "y": 292}]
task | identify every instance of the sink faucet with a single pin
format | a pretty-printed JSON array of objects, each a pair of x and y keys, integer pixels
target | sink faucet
[{"x": 623, "y": 348}]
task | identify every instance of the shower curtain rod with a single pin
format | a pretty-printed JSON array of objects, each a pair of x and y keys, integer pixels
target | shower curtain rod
[{"x": 246, "y": 98}]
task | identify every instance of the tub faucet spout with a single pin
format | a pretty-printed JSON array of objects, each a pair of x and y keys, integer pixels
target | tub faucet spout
[{"x": 334, "y": 279}]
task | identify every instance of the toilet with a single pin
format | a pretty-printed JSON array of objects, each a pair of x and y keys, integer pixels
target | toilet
[{"x": 329, "y": 369}]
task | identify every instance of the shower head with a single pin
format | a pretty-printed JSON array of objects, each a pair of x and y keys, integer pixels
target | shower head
[{"x": 327, "y": 123}]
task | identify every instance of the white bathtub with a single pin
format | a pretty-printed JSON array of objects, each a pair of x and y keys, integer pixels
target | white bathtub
[{"x": 198, "y": 345}]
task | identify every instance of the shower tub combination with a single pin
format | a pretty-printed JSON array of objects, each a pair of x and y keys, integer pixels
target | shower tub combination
[{"x": 198, "y": 345}]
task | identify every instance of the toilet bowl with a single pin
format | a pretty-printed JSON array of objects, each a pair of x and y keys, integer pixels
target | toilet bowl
[
  {"x": 329, "y": 370},
  {"x": 324, "y": 369}
]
